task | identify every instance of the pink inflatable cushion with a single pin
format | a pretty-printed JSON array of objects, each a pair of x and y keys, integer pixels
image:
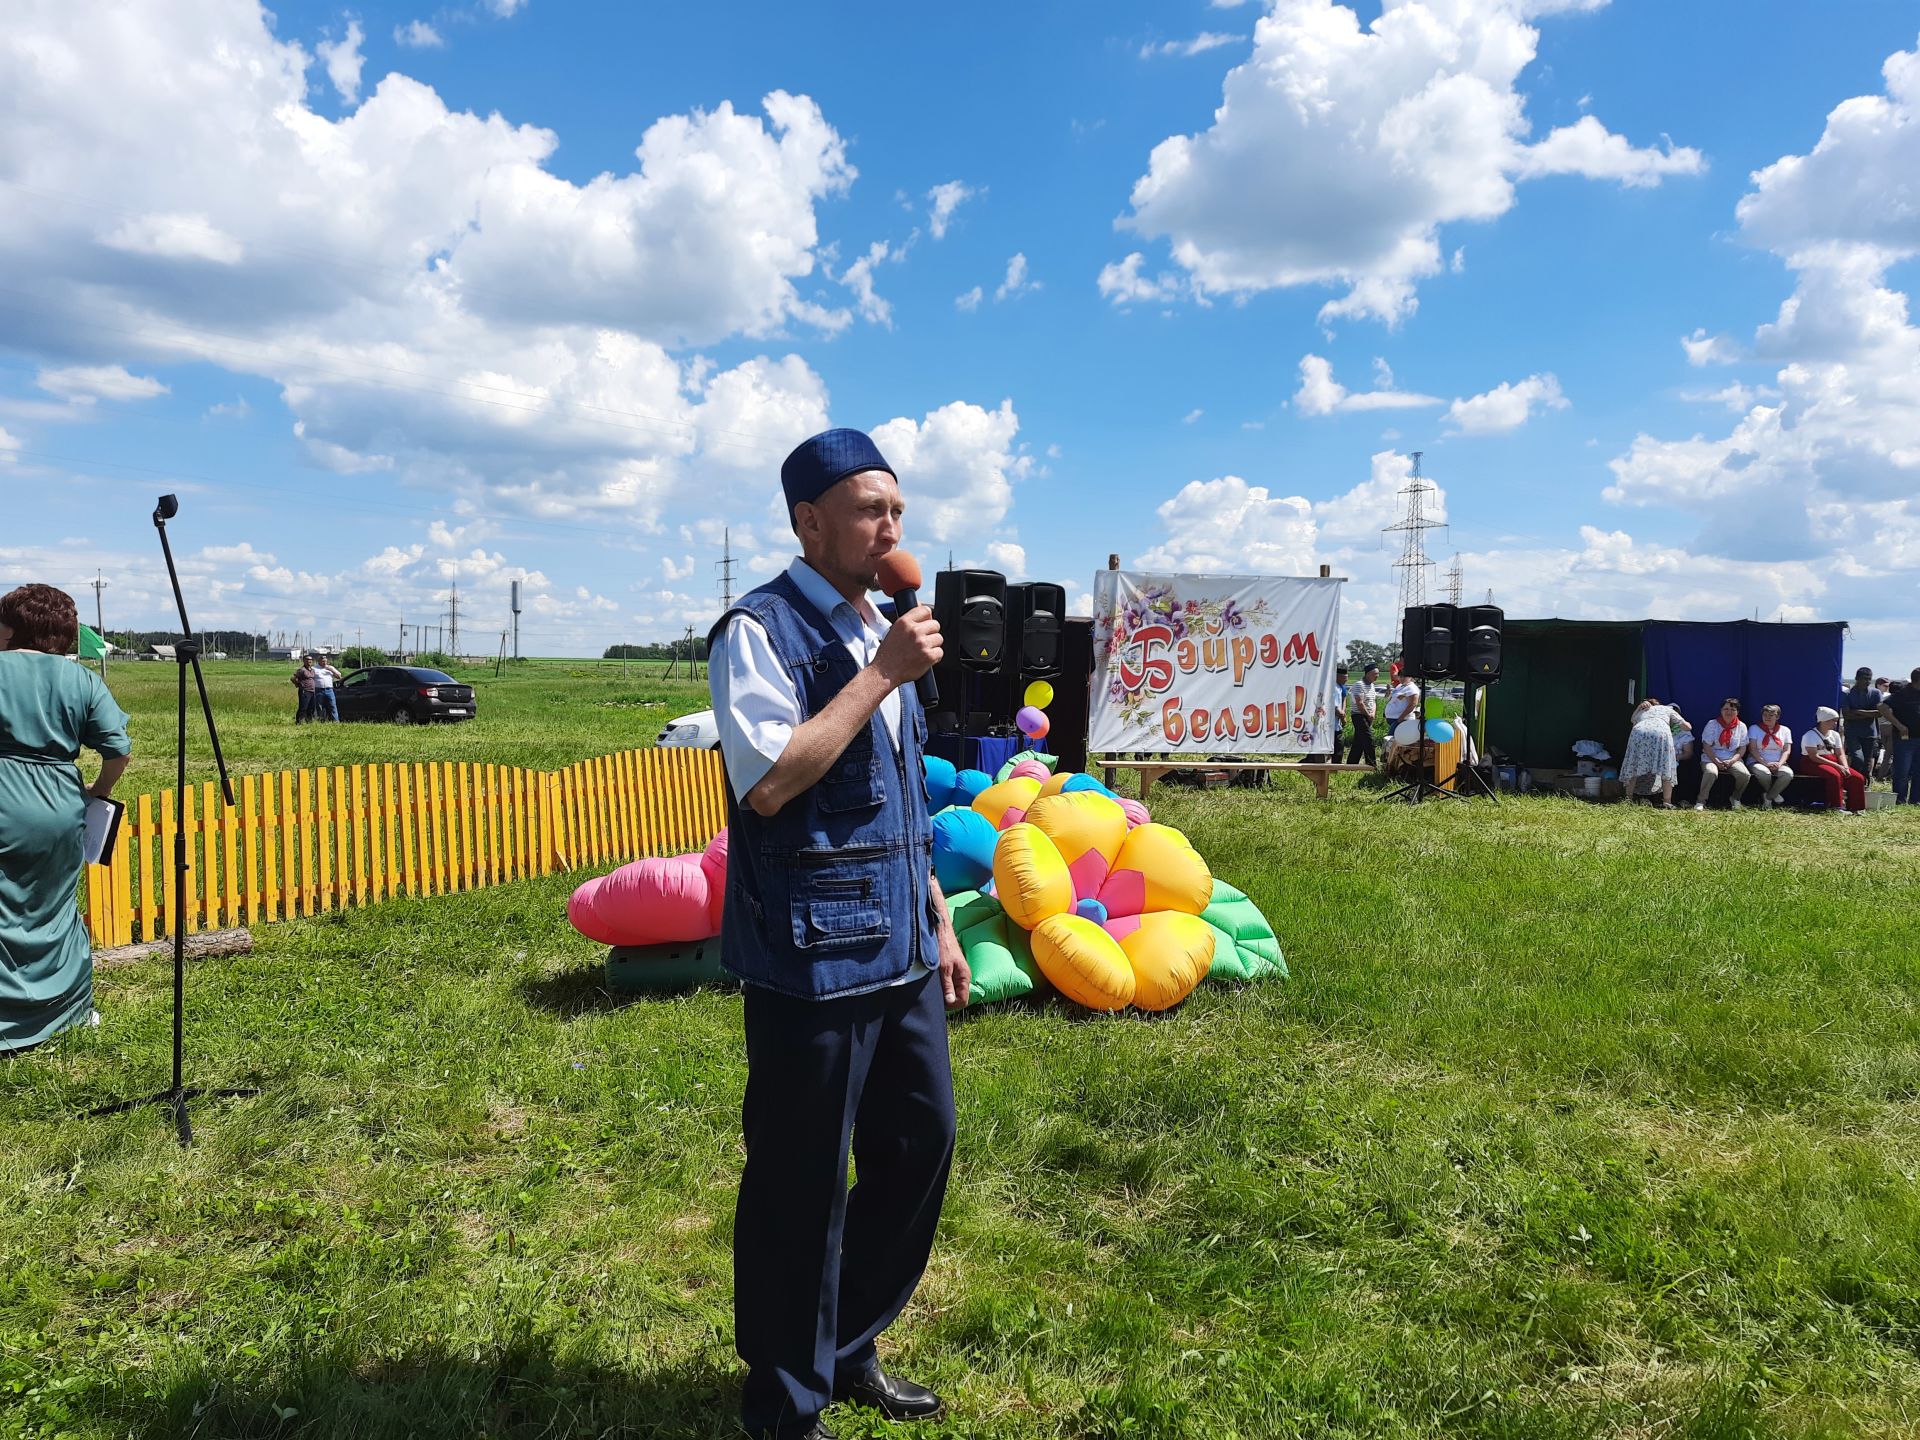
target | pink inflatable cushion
[
  {"x": 714, "y": 862},
  {"x": 1031, "y": 768},
  {"x": 651, "y": 901},
  {"x": 1137, "y": 814},
  {"x": 580, "y": 911}
]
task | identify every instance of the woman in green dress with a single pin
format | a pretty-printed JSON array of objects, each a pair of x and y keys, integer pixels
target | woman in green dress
[{"x": 49, "y": 708}]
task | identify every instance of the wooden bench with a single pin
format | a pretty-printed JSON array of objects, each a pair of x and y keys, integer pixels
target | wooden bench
[{"x": 1317, "y": 771}]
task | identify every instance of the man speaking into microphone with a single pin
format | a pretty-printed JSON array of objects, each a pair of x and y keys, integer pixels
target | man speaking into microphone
[{"x": 837, "y": 929}]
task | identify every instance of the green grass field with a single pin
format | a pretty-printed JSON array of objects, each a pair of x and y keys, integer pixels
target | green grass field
[
  {"x": 538, "y": 713},
  {"x": 1573, "y": 1121}
]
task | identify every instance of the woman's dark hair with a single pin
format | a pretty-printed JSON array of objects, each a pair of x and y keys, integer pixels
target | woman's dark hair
[
  {"x": 1730, "y": 700},
  {"x": 41, "y": 618}
]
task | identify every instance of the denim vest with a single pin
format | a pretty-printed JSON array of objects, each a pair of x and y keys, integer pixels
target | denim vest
[{"x": 832, "y": 895}]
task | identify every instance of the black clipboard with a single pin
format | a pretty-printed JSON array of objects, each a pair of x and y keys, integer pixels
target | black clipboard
[{"x": 103, "y": 830}]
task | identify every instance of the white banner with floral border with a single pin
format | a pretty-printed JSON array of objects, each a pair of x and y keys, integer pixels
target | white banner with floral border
[{"x": 1213, "y": 664}]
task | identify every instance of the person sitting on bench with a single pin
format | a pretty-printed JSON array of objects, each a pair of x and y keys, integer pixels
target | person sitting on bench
[
  {"x": 1723, "y": 743},
  {"x": 1768, "y": 746},
  {"x": 1825, "y": 749}
]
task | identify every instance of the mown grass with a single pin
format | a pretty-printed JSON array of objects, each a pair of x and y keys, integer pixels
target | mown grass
[{"x": 1573, "y": 1121}]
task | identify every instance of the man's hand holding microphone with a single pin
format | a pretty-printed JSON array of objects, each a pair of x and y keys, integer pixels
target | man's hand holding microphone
[{"x": 908, "y": 653}]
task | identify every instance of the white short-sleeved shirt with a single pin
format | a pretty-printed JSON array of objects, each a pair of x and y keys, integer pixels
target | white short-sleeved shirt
[
  {"x": 1360, "y": 698},
  {"x": 1735, "y": 747},
  {"x": 322, "y": 678},
  {"x": 1833, "y": 746},
  {"x": 1401, "y": 701},
  {"x": 1773, "y": 749},
  {"x": 756, "y": 706}
]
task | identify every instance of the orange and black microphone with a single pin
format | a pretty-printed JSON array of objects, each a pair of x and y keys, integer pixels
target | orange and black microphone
[{"x": 898, "y": 574}]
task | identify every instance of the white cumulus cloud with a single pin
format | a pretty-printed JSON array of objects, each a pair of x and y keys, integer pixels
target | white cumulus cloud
[
  {"x": 84, "y": 384},
  {"x": 1507, "y": 406},
  {"x": 417, "y": 35},
  {"x": 344, "y": 61},
  {"x": 946, "y": 199},
  {"x": 1016, "y": 282},
  {"x": 957, "y": 467},
  {"x": 1831, "y": 446},
  {"x": 1206, "y": 40},
  {"x": 1340, "y": 150},
  {"x": 1321, "y": 394}
]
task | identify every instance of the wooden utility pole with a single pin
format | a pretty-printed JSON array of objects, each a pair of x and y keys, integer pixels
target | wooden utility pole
[{"x": 99, "y": 584}]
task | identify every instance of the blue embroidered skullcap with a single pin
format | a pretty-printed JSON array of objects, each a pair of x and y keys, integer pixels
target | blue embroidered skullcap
[{"x": 820, "y": 463}]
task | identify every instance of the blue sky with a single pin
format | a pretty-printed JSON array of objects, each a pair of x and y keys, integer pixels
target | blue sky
[{"x": 387, "y": 294}]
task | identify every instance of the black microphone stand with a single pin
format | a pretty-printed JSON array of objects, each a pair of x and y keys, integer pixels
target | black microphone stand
[{"x": 185, "y": 654}]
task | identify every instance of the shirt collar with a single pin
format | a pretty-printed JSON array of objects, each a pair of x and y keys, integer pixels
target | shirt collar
[{"x": 827, "y": 600}]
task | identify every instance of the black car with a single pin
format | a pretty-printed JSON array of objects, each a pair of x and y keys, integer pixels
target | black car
[{"x": 404, "y": 694}]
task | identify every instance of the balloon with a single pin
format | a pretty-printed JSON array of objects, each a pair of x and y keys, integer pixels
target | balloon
[
  {"x": 1040, "y": 726},
  {"x": 1407, "y": 732},
  {"x": 1439, "y": 731},
  {"x": 1031, "y": 722},
  {"x": 1039, "y": 695}
]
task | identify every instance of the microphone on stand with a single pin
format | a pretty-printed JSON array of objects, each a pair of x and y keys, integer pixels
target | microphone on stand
[{"x": 899, "y": 579}]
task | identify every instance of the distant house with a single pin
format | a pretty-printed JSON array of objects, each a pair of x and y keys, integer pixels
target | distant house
[{"x": 161, "y": 652}]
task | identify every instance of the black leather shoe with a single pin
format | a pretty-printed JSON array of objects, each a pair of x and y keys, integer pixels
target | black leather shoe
[{"x": 894, "y": 1398}]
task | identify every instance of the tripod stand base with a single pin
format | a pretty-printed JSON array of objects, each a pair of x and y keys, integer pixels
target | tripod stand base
[
  {"x": 176, "y": 1100},
  {"x": 1414, "y": 791}
]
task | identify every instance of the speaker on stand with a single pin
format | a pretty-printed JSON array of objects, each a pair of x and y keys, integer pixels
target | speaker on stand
[
  {"x": 1427, "y": 652},
  {"x": 971, "y": 608},
  {"x": 1477, "y": 632}
]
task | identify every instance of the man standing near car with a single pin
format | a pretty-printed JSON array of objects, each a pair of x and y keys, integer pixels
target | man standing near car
[
  {"x": 325, "y": 705},
  {"x": 303, "y": 688},
  {"x": 841, "y": 936}
]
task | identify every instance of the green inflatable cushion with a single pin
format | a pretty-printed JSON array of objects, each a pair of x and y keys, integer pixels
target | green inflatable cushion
[
  {"x": 999, "y": 952},
  {"x": 1052, "y": 762},
  {"x": 674, "y": 965},
  {"x": 1244, "y": 945}
]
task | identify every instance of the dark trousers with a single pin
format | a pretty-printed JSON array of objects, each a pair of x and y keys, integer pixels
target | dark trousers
[
  {"x": 1362, "y": 742},
  {"x": 820, "y": 1270},
  {"x": 1863, "y": 750}
]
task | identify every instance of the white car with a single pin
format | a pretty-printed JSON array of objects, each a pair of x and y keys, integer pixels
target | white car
[{"x": 692, "y": 732}]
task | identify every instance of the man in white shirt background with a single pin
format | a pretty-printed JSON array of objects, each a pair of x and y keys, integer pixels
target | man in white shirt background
[
  {"x": 325, "y": 705},
  {"x": 1769, "y": 744},
  {"x": 1360, "y": 706},
  {"x": 1723, "y": 746}
]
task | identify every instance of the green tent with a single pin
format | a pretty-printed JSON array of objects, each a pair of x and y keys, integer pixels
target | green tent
[
  {"x": 92, "y": 647},
  {"x": 1562, "y": 681}
]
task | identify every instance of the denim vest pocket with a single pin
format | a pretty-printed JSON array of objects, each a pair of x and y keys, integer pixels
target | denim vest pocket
[
  {"x": 838, "y": 925},
  {"x": 838, "y": 898},
  {"x": 852, "y": 782}
]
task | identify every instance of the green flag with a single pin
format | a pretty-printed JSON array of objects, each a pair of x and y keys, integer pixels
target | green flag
[{"x": 92, "y": 647}]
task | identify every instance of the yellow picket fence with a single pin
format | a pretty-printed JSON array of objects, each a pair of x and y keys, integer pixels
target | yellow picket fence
[{"x": 303, "y": 842}]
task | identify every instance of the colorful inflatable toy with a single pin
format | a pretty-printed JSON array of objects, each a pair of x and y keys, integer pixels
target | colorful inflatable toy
[
  {"x": 1087, "y": 894},
  {"x": 1052, "y": 880}
]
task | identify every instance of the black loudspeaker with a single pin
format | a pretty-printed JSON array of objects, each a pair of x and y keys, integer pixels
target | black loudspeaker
[
  {"x": 1034, "y": 620},
  {"x": 971, "y": 606},
  {"x": 1427, "y": 641},
  {"x": 1476, "y": 642}
]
